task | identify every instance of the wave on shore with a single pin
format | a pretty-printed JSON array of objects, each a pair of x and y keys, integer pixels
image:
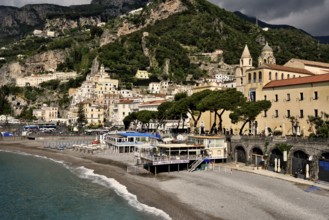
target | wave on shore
[{"x": 119, "y": 189}]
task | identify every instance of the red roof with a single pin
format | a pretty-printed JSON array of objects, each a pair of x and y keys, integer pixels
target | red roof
[
  {"x": 297, "y": 81},
  {"x": 126, "y": 101},
  {"x": 157, "y": 102}
]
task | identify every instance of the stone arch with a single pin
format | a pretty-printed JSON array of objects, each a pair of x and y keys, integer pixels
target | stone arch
[
  {"x": 240, "y": 154},
  {"x": 299, "y": 160},
  {"x": 256, "y": 156},
  {"x": 274, "y": 156},
  {"x": 323, "y": 154}
]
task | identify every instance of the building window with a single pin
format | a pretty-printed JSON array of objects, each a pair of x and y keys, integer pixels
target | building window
[
  {"x": 276, "y": 115},
  {"x": 265, "y": 114},
  {"x": 301, "y": 96},
  {"x": 265, "y": 97},
  {"x": 293, "y": 76},
  {"x": 254, "y": 77},
  {"x": 316, "y": 113},
  {"x": 249, "y": 78},
  {"x": 276, "y": 76},
  {"x": 288, "y": 113},
  {"x": 315, "y": 96},
  {"x": 252, "y": 96},
  {"x": 276, "y": 97},
  {"x": 288, "y": 97},
  {"x": 301, "y": 113},
  {"x": 260, "y": 77},
  {"x": 270, "y": 76},
  {"x": 282, "y": 76}
]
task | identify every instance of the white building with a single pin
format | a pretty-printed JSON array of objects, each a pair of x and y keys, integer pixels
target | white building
[
  {"x": 122, "y": 109},
  {"x": 36, "y": 80},
  {"x": 154, "y": 87},
  {"x": 125, "y": 93},
  {"x": 150, "y": 105}
]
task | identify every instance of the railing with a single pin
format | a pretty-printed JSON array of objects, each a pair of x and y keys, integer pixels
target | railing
[
  {"x": 195, "y": 164},
  {"x": 155, "y": 157},
  {"x": 279, "y": 138}
]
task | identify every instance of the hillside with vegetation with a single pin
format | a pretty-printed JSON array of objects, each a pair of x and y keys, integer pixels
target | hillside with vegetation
[
  {"x": 192, "y": 28},
  {"x": 202, "y": 28}
]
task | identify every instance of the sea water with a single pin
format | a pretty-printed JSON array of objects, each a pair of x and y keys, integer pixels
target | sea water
[{"x": 37, "y": 188}]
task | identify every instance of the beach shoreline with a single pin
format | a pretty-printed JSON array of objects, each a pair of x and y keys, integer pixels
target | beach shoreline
[
  {"x": 145, "y": 187},
  {"x": 211, "y": 194}
]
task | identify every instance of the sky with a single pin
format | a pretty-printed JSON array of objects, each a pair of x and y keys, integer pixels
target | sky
[{"x": 310, "y": 15}]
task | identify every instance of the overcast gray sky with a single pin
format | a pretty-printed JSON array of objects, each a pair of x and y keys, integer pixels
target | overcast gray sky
[
  {"x": 310, "y": 15},
  {"x": 20, "y": 3}
]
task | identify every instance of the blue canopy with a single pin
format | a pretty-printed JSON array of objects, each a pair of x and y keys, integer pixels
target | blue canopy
[
  {"x": 7, "y": 134},
  {"x": 138, "y": 134}
]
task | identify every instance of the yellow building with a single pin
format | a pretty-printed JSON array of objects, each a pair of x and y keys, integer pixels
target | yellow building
[
  {"x": 142, "y": 74},
  {"x": 295, "y": 98},
  {"x": 47, "y": 114},
  {"x": 296, "y": 90},
  {"x": 94, "y": 113},
  {"x": 256, "y": 78}
]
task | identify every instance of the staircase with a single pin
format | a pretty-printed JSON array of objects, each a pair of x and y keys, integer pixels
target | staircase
[{"x": 195, "y": 164}]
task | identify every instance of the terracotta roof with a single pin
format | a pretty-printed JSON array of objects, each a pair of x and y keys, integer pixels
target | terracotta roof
[
  {"x": 126, "y": 101},
  {"x": 298, "y": 81},
  {"x": 311, "y": 63},
  {"x": 288, "y": 69},
  {"x": 157, "y": 102}
]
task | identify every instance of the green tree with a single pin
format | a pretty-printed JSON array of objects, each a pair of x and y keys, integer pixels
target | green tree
[
  {"x": 191, "y": 104},
  {"x": 27, "y": 114},
  {"x": 221, "y": 101},
  {"x": 145, "y": 117},
  {"x": 178, "y": 111},
  {"x": 164, "y": 112},
  {"x": 5, "y": 107},
  {"x": 284, "y": 147},
  {"x": 321, "y": 126},
  {"x": 81, "y": 116},
  {"x": 129, "y": 119},
  {"x": 248, "y": 112}
]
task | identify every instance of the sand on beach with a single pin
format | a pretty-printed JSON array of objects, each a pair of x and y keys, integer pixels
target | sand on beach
[
  {"x": 212, "y": 194},
  {"x": 145, "y": 187}
]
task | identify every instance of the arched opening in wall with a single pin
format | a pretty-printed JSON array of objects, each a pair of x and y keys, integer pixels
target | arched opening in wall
[
  {"x": 240, "y": 154},
  {"x": 299, "y": 161},
  {"x": 273, "y": 162},
  {"x": 324, "y": 167},
  {"x": 257, "y": 156}
]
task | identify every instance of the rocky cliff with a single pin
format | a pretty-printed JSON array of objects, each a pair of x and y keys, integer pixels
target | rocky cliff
[
  {"x": 17, "y": 22},
  {"x": 43, "y": 62},
  {"x": 152, "y": 13}
]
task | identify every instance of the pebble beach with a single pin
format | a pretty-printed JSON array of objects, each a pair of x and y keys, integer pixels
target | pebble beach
[{"x": 212, "y": 194}]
